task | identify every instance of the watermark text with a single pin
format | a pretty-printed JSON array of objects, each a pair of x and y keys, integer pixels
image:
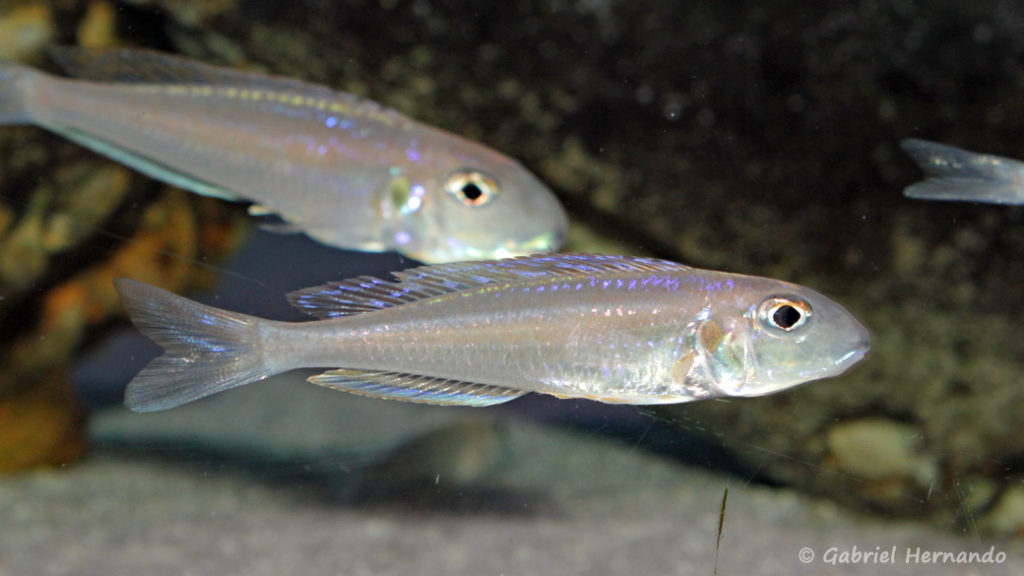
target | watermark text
[{"x": 842, "y": 555}]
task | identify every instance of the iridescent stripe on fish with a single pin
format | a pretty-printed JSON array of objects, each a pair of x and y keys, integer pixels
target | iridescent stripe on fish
[
  {"x": 346, "y": 171},
  {"x": 615, "y": 329}
]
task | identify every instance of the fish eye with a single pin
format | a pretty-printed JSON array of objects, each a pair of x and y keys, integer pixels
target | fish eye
[
  {"x": 784, "y": 313},
  {"x": 471, "y": 187}
]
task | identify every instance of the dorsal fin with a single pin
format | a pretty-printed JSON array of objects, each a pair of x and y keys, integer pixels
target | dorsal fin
[
  {"x": 133, "y": 66},
  {"x": 366, "y": 293},
  {"x": 149, "y": 66}
]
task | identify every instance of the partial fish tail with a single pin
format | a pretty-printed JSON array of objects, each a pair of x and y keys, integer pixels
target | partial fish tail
[
  {"x": 206, "y": 350},
  {"x": 17, "y": 83},
  {"x": 955, "y": 174}
]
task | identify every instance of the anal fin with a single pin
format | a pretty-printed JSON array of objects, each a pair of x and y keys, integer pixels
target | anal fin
[
  {"x": 257, "y": 210},
  {"x": 149, "y": 167},
  {"x": 415, "y": 388},
  {"x": 281, "y": 227}
]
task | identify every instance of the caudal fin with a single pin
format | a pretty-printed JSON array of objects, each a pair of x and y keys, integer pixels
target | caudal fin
[
  {"x": 955, "y": 174},
  {"x": 15, "y": 89},
  {"x": 206, "y": 350}
]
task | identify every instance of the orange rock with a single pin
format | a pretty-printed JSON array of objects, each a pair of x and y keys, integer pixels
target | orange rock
[
  {"x": 41, "y": 425},
  {"x": 40, "y": 422}
]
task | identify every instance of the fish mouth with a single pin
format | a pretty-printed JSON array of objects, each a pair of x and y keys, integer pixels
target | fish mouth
[
  {"x": 548, "y": 242},
  {"x": 459, "y": 251},
  {"x": 859, "y": 351},
  {"x": 540, "y": 244},
  {"x": 454, "y": 250}
]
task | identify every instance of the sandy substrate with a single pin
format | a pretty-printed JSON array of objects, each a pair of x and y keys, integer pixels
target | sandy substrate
[{"x": 283, "y": 478}]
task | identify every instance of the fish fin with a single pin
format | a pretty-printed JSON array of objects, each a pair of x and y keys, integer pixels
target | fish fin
[
  {"x": 145, "y": 165},
  {"x": 637, "y": 400},
  {"x": 415, "y": 388},
  {"x": 14, "y": 80},
  {"x": 274, "y": 226},
  {"x": 134, "y": 66},
  {"x": 956, "y": 174},
  {"x": 363, "y": 241},
  {"x": 355, "y": 296},
  {"x": 206, "y": 350},
  {"x": 367, "y": 293},
  {"x": 259, "y": 210},
  {"x": 281, "y": 227}
]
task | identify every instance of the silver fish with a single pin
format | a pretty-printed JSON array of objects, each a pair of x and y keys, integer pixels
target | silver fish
[
  {"x": 611, "y": 328},
  {"x": 346, "y": 171},
  {"x": 955, "y": 174}
]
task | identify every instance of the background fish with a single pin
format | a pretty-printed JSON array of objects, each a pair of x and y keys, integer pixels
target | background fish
[
  {"x": 609, "y": 328},
  {"x": 955, "y": 174},
  {"x": 346, "y": 171}
]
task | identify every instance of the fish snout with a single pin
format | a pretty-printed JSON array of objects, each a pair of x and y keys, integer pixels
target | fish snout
[
  {"x": 853, "y": 338},
  {"x": 859, "y": 349}
]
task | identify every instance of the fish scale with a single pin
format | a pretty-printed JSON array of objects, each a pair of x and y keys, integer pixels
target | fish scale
[
  {"x": 611, "y": 328},
  {"x": 348, "y": 172}
]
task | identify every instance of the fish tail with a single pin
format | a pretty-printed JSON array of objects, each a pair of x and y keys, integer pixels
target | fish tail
[
  {"x": 956, "y": 174},
  {"x": 206, "y": 350},
  {"x": 16, "y": 85}
]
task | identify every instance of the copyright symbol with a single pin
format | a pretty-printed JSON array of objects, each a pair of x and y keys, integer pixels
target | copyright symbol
[{"x": 806, "y": 555}]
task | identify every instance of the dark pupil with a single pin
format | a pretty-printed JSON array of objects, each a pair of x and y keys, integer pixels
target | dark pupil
[
  {"x": 785, "y": 317},
  {"x": 472, "y": 192}
]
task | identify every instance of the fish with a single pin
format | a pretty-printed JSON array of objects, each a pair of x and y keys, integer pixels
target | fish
[
  {"x": 954, "y": 174},
  {"x": 615, "y": 329},
  {"x": 348, "y": 172}
]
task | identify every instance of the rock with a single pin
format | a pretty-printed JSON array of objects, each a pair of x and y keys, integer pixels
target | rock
[
  {"x": 69, "y": 224},
  {"x": 748, "y": 137},
  {"x": 448, "y": 460},
  {"x": 25, "y": 30},
  {"x": 40, "y": 423},
  {"x": 876, "y": 450},
  {"x": 882, "y": 453},
  {"x": 59, "y": 298},
  {"x": 1008, "y": 515},
  {"x": 234, "y": 485},
  {"x": 97, "y": 26}
]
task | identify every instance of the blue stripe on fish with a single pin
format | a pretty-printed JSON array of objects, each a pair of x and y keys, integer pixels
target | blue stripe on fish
[{"x": 366, "y": 293}]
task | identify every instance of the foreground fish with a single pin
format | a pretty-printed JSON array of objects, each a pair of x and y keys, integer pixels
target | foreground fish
[
  {"x": 348, "y": 172},
  {"x": 955, "y": 174},
  {"x": 610, "y": 328}
]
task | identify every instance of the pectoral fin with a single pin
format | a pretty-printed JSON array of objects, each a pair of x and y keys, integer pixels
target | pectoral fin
[{"x": 281, "y": 228}]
